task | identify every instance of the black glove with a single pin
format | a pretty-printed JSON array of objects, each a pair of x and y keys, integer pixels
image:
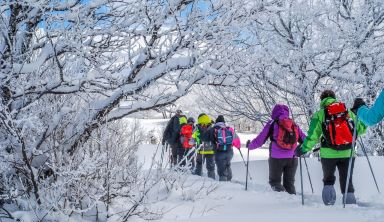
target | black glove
[
  {"x": 163, "y": 142},
  {"x": 299, "y": 152},
  {"x": 247, "y": 144},
  {"x": 357, "y": 104}
]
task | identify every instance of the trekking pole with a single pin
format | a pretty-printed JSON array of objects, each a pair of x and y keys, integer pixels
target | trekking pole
[
  {"x": 301, "y": 182},
  {"x": 301, "y": 173},
  {"x": 162, "y": 156},
  {"x": 309, "y": 176},
  {"x": 245, "y": 164},
  {"x": 350, "y": 160},
  {"x": 369, "y": 163},
  {"x": 246, "y": 178}
]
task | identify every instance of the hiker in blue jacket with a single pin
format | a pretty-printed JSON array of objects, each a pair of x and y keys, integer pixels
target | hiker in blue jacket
[{"x": 373, "y": 115}]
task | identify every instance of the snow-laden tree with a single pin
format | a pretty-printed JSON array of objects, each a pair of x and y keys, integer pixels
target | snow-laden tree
[
  {"x": 291, "y": 50},
  {"x": 68, "y": 68}
]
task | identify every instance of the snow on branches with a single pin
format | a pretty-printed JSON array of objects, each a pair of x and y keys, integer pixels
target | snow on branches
[{"x": 71, "y": 68}]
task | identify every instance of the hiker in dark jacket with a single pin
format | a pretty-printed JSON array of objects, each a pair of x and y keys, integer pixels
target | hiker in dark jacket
[
  {"x": 282, "y": 160},
  {"x": 223, "y": 139},
  {"x": 171, "y": 135}
]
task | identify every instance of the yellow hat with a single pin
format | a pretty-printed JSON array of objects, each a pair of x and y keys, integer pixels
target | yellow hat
[{"x": 204, "y": 120}]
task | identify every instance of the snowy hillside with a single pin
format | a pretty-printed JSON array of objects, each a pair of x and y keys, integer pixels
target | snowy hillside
[
  {"x": 230, "y": 202},
  {"x": 202, "y": 199}
]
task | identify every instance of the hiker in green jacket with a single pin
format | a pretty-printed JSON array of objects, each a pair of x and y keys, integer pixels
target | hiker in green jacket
[
  {"x": 206, "y": 152},
  {"x": 334, "y": 124}
]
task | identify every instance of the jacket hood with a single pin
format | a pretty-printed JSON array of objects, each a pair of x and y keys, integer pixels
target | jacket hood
[
  {"x": 325, "y": 102},
  {"x": 183, "y": 120},
  {"x": 280, "y": 112},
  {"x": 220, "y": 124}
]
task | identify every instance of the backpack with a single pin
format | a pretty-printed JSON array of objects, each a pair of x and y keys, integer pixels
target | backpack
[
  {"x": 186, "y": 139},
  {"x": 223, "y": 138},
  {"x": 288, "y": 133},
  {"x": 337, "y": 127}
]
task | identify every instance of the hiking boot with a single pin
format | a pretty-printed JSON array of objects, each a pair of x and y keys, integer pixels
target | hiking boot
[
  {"x": 329, "y": 195},
  {"x": 196, "y": 173},
  {"x": 211, "y": 174},
  {"x": 351, "y": 199},
  {"x": 223, "y": 178},
  {"x": 278, "y": 188}
]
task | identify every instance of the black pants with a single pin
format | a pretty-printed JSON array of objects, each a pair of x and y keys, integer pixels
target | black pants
[
  {"x": 174, "y": 149},
  {"x": 184, "y": 159},
  {"x": 178, "y": 153},
  {"x": 282, "y": 167},
  {"x": 210, "y": 164},
  {"x": 223, "y": 163},
  {"x": 329, "y": 167}
]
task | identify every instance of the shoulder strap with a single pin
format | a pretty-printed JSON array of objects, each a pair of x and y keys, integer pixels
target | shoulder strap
[
  {"x": 271, "y": 128},
  {"x": 270, "y": 133}
]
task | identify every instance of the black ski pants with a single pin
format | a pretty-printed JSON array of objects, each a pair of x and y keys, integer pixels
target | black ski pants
[
  {"x": 223, "y": 163},
  {"x": 285, "y": 167},
  {"x": 329, "y": 167},
  {"x": 185, "y": 158},
  {"x": 174, "y": 152},
  {"x": 210, "y": 164},
  {"x": 178, "y": 153}
]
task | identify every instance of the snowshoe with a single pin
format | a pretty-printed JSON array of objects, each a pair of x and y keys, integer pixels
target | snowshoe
[
  {"x": 329, "y": 195},
  {"x": 351, "y": 199}
]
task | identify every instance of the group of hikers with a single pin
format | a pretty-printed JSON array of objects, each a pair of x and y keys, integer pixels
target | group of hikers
[
  {"x": 211, "y": 141},
  {"x": 334, "y": 126}
]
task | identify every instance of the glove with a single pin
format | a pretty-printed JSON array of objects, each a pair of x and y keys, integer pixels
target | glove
[
  {"x": 163, "y": 142},
  {"x": 359, "y": 102},
  {"x": 299, "y": 152},
  {"x": 247, "y": 144}
]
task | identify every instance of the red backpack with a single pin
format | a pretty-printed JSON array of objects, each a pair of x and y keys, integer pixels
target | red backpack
[
  {"x": 337, "y": 127},
  {"x": 288, "y": 133},
  {"x": 186, "y": 139}
]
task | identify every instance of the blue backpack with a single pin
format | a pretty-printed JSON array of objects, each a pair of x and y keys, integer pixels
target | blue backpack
[{"x": 224, "y": 138}]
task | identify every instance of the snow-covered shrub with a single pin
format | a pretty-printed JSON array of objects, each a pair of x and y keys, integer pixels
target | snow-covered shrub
[
  {"x": 70, "y": 69},
  {"x": 292, "y": 50}
]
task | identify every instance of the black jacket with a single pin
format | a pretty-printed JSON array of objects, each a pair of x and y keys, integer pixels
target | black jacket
[{"x": 172, "y": 130}]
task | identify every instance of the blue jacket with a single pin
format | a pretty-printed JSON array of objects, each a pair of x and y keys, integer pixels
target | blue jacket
[{"x": 373, "y": 115}]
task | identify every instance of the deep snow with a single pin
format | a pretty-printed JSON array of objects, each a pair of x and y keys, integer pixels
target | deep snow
[
  {"x": 202, "y": 199},
  {"x": 231, "y": 202}
]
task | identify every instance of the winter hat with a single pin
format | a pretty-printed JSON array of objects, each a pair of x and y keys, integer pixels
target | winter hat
[
  {"x": 191, "y": 120},
  {"x": 220, "y": 118},
  {"x": 204, "y": 119},
  {"x": 357, "y": 104},
  {"x": 327, "y": 93},
  {"x": 179, "y": 112}
]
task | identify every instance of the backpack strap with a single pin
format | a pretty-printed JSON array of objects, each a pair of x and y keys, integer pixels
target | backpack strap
[
  {"x": 270, "y": 135},
  {"x": 271, "y": 128}
]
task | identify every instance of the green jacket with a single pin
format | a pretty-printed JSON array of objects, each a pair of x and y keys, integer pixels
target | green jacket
[
  {"x": 315, "y": 133},
  {"x": 196, "y": 136},
  {"x": 204, "y": 149}
]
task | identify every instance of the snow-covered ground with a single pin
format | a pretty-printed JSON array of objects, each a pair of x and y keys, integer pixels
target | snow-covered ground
[
  {"x": 202, "y": 199},
  {"x": 229, "y": 201}
]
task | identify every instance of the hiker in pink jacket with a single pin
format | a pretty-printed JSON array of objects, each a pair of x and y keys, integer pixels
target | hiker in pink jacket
[{"x": 284, "y": 135}]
